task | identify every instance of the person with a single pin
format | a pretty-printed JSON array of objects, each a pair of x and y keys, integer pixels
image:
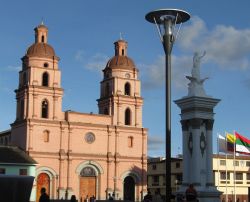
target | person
[
  {"x": 157, "y": 197},
  {"x": 92, "y": 198},
  {"x": 191, "y": 194},
  {"x": 147, "y": 197},
  {"x": 86, "y": 199},
  {"x": 113, "y": 195},
  {"x": 44, "y": 197},
  {"x": 110, "y": 197},
  {"x": 73, "y": 198}
]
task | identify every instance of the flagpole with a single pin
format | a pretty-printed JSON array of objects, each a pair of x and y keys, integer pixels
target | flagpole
[
  {"x": 218, "y": 151},
  {"x": 234, "y": 166},
  {"x": 226, "y": 168}
]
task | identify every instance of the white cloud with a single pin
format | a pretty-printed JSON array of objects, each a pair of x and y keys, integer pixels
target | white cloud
[
  {"x": 96, "y": 62},
  {"x": 79, "y": 56},
  {"x": 13, "y": 68},
  {"x": 226, "y": 46},
  {"x": 155, "y": 73},
  {"x": 156, "y": 143}
]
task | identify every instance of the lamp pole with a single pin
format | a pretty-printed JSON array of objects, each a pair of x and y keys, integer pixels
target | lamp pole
[{"x": 165, "y": 21}]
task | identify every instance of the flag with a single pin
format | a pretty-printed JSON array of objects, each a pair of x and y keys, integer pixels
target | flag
[
  {"x": 231, "y": 139},
  {"x": 242, "y": 144},
  {"x": 222, "y": 144}
]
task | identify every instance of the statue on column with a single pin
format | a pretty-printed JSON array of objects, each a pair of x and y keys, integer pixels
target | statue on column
[{"x": 196, "y": 83}]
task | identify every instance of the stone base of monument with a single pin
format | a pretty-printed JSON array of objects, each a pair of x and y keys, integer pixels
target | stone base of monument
[{"x": 205, "y": 194}]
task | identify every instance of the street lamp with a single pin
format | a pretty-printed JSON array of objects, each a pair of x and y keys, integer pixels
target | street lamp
[{"x": 165, "y": 21}]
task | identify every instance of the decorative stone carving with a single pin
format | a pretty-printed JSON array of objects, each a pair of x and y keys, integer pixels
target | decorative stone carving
[
  {"x": 190, "y": 143},
  {"x": 203, "y": 143}
]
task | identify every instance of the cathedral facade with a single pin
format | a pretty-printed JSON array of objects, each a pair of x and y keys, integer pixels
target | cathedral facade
[{"x": 81, "y": 154}]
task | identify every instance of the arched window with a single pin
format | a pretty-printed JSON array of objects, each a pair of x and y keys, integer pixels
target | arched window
[
  {"x": 107, "y": 89},
  {"x": 127, "y": 117},
  {"x": 127, "y": 89},
  {"x": 45, "y": 109},
  {"x": 88, "y": 171},
  {"x": 45, "y": 79},
  {"x": 46, "y": 136},
  {"x": 42, "y": 39}
]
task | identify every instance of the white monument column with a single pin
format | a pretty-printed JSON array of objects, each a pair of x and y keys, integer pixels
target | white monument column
[{"x": 197, "y": 118}]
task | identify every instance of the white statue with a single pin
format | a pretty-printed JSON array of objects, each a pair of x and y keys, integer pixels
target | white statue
[
  {"x": 196, "y": 64},
  {"x": 196, "y": 83}
]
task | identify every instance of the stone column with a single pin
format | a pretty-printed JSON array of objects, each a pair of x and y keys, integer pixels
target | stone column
[
  {"x": 30, "y": 136},
  {"x": 55, "y": 103},
  {"x": 209, "y": 160},
  {"x": 118, "y": 113},
  {"x": 186, "y": 152},
  {"x": 69, "y": 179},
  {"x": 35, "y": 96},
  {"x": 26, "y": 105},
  {"x": 196, "y": 155},
  {"x": 136, "y": 109},
  {"x": 109, "y": 162}
]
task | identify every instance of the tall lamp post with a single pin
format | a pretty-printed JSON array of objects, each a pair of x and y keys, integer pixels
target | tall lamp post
[{"x": 165, "y": 21}]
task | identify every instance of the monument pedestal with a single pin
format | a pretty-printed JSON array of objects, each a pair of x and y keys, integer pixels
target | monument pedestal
[
  {"x": 197, "y": 131},
  {"x": 205, "y": 194}
]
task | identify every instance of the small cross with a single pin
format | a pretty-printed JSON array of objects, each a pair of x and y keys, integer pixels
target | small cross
[{"x": 42, "y": 22}]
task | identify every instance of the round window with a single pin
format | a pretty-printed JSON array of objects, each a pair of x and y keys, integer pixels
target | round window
[
  {"x": 89, "y": 138},
  {"x": 46, "y": 64},
  {"x": 127, "y": 75}
]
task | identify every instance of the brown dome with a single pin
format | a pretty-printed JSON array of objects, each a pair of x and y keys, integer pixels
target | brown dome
[
  {"x": 41, "y": 50},
  {"x": 122, "y": 62}
]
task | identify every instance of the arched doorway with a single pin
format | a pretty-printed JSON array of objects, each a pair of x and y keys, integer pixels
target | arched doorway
[
  {"x": 43, "y": 180},
  {"x": 129, "y": 189},
  {"x": 87, "y": 183}
]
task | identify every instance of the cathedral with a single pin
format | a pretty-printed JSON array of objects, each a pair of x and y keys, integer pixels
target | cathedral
[{"x": 82, "y": 154}]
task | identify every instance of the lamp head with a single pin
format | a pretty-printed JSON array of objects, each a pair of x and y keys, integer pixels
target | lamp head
[{"x": 159, "y": 16}]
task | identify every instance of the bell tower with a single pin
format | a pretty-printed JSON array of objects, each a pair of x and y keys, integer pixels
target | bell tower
[
  {"x": 39, "y": 93},
  {"x": 121, "y": 89}
]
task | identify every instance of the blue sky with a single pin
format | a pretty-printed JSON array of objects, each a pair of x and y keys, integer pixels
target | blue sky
[{"x": 83, "y": 32}]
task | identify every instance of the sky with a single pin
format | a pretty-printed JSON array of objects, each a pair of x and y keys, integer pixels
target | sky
[{"x": 83, "y": 32}]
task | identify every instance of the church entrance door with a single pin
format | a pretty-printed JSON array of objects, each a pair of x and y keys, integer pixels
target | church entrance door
[
  {"x": 43, "y": 180},
  {"x": 87, "y": 183},
  {"x": 87, "y": 187},
  {"x": 129, "y": 189}
]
